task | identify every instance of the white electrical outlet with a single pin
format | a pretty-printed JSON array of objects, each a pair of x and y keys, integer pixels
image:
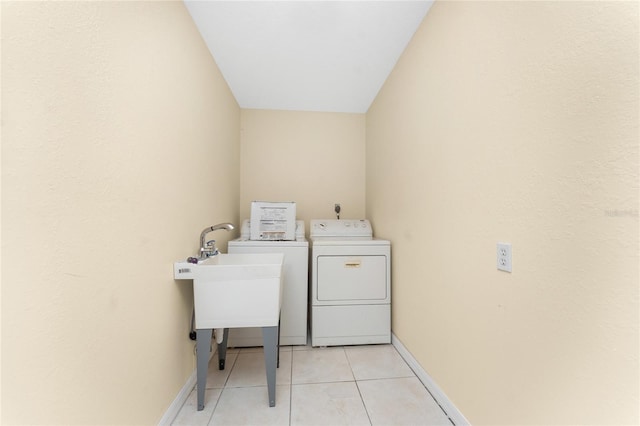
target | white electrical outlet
[{"x": 504, "y": 257}]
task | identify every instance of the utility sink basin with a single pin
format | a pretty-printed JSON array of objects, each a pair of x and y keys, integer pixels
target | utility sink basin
[{"x": 235, "y": 290}]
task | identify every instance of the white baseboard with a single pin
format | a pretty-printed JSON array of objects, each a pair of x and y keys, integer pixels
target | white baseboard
[
  {"x": 182, "y": 396},
  {"x": 441, "y": 398},
  {"x": 179, "y": 401}
]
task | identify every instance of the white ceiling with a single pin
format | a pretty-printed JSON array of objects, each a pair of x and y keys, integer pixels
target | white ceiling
[{"x": 307, "y": 55}]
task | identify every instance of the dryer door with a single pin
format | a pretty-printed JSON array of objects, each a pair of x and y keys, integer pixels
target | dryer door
[{"x": 352, "y": 278}]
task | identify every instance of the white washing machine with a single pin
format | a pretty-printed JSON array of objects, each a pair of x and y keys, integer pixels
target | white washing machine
[
  {"x": 293, "y": 317},
  {"x": 350, "y": 284}
]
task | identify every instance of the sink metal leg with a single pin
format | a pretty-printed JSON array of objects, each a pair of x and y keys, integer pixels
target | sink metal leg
[
  {"x": 222, "y": 349},
  {"x": 203, "y": 348},
  {"x": 270, "y": 340}
]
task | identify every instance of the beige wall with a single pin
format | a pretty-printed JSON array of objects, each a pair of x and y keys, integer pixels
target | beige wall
[
  {"x": 313, "y": 158},
  {"x": 120, "y": 143},
  {"x": 516, "y": 122}
]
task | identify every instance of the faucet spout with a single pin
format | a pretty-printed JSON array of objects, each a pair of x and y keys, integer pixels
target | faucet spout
[
  {"x": 208, "y": 250},
  {"x": 226, "y": 226}
]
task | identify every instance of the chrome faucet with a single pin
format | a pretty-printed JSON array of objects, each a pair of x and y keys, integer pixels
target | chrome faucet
[{"x": 209, "y": 249}]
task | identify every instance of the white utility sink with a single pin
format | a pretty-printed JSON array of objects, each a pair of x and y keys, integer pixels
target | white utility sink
[{"x": 235, "y": 290}]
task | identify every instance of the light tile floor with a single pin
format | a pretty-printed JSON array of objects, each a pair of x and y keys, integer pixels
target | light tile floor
[{"x": 350, "y": 385}]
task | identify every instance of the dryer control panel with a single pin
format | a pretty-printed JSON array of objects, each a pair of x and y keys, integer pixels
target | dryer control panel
[{"x": 341, "y": 228}]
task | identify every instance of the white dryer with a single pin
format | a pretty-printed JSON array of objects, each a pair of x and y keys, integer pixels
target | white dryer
[
  {"x": 350, "y": 284},
  {"x": 293, "y": 316}
]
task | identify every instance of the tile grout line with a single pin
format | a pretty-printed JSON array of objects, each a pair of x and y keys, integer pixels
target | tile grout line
[
  {"x": 358, "y": 387},
  {"x": 291, "y": 387},
  {"x": 224, "y": 385}
]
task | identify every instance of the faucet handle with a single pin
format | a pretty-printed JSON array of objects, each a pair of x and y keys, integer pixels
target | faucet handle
[{"x": 211, "y": 243}]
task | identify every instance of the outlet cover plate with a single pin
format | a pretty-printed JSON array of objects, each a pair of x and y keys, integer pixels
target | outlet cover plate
[{"x": 504, "y": 257}]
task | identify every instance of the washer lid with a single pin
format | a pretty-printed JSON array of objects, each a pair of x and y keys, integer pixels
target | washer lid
[{"x": 341, "y": 228}]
